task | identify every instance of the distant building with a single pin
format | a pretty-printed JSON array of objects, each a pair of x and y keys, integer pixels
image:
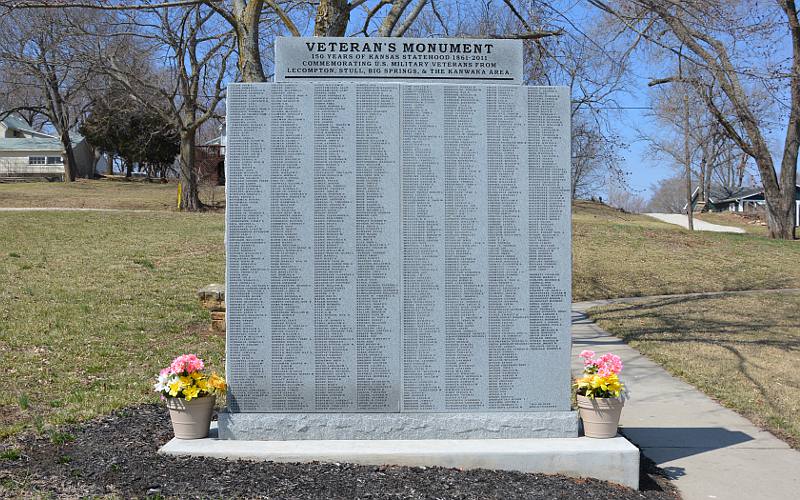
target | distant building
[
  {"x": 746, "y": 199},
  {"x": 209, "y": 161},
  {"x": 26, "y": 152}
]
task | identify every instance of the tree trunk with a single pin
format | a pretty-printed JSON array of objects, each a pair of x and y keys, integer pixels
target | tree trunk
[
  {"x": 110, "y": 165},
  {"x": 69, "y": 158},
  {"x": 740, "y": 171},
  {"x": 791, "y": 146},
  {"x": 247, "y": 28},
  {"x": 190, "y": 199},
  {"x": 687, "y": 155},
  {"x": 128, "y": 168},
  {"x": 780, "y": 221},
  {"x": 701, "y": 180},
  {"x": 332, "y": 18}
]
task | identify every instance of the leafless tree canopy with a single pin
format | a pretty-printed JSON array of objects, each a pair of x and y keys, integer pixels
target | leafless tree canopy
[{"x": 747, "y": 79}]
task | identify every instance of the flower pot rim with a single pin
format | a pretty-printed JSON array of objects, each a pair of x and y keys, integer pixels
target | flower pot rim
[
  {"x": 198, "y": 397},
  {"x": 599, "y": 398}
]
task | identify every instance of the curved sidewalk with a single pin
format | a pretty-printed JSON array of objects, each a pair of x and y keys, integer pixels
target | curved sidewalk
[
  {"x": 699, "y": 225},
  {"x": 708, "y": 451}
]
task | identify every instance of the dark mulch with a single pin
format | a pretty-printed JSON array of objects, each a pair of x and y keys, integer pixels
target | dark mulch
[{"x": 116, "y": 456}]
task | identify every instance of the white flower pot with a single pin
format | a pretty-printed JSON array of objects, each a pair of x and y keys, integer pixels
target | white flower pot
[
  {"x": 191, "y": 419},
  {"x": 600, "y": 416}
]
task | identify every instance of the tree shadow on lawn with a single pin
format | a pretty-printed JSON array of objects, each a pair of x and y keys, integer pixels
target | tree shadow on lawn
[{"x": 680, "y": 327}]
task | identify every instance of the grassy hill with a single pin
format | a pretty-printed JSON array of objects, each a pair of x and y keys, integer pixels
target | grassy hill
[{"x": 618, "y": 255}]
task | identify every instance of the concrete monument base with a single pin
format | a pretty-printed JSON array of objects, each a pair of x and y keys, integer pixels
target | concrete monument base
[
  {"x": 399, "y": 426},
  {"x": 615, "y": 459}
]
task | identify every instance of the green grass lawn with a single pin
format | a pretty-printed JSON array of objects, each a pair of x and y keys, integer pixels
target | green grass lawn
[
  {"x": 85, "y": 193},
  {"x": 618, "y": 255},
  {"x": 93, "y": 304},
  {"x": 742, "y": 350}
]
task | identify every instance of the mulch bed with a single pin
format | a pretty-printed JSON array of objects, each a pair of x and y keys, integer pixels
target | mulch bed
[{"x": 115, "y": 456}]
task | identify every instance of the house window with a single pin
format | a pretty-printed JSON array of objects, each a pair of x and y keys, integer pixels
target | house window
[
  {"x": 36, "y": 160},
  {"x": 54, "y": 160}
]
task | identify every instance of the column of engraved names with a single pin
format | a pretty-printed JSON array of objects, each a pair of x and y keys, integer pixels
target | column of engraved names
[
  {"x": 377, "y": 210},
  {"x": 465, "y": 247},
  {"x": 248, "y": 249},
  {"x": 334, "y": 248},
  {"x": 422, "y": 222},
  {"x": 507, "y": 178},
  {"x": 548, "y": 234},
  {"x": 291, "y": 278}
]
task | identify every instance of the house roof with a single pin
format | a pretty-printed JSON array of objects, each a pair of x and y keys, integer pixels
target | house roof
[
  {"x": 724, "y": 195},
  {"x": 217, "y": 141},
  {"x": 43, "y": 144},
  {"x": 14, "y": 122},
  {"x": 747, "y": 193}
]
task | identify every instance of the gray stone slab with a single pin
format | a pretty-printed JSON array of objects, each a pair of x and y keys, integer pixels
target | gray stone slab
[
  {"x": 615, "y": 460},
  {"x": 414, "y": 60},
  {"x": 402, "y": 426},
  {"x": 398, "y": 248}
]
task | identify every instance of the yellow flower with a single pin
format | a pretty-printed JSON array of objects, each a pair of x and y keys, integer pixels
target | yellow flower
[
  {"x": 175, "y": 387},
  {"x": 594, "y": 385},
  {"x": 202, "y": 384},
  {"x": 217, "y": 382},
  {"x": 191, "y": 392}
]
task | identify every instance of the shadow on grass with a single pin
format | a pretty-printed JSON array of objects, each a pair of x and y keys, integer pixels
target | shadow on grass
[{"x": 690, "y": 321}]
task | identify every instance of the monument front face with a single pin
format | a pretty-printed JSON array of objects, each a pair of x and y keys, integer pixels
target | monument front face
[{"x": 398, "y": 248}]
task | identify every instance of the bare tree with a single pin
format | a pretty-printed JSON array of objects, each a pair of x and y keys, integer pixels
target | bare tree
[
  {"x": 709, "y": 29},
  {"x": 595, "y": 159},
  {"x": 668, "y": 196},
  {"x": 43, "y": 73},
  {"x": 620, "y": 197},
  {"x": 188, "y": 89}
]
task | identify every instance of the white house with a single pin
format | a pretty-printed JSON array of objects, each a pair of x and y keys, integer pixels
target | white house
[
  {"x": 25, "y": 152},
  {"x": 744, "y": 199}
]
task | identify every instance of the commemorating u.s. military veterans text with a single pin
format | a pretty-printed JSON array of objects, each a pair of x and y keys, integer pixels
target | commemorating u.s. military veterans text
[
  {"x": 451, "y": 60},
  {"x": 398, "y": 247}
]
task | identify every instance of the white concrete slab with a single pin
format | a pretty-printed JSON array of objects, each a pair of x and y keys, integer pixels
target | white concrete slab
[
  {"x": 699, "y": 225},
  {"x": 615, "y": 460}
]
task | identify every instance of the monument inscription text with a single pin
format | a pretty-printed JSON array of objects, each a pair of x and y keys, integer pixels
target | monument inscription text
[{"x": 398, "y": 248}]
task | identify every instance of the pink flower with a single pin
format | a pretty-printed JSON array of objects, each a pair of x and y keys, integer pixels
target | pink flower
[
  {"x": 604, "y": 365},
  {"x": 188, "y": 363}
]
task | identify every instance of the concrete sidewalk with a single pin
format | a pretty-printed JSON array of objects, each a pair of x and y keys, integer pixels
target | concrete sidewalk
[
  {"x": 699, "y": 225},
  {"x": 709, "y": 451}
]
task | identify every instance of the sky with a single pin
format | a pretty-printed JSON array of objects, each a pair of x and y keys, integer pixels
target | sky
[{"x": 643, "y": 170}]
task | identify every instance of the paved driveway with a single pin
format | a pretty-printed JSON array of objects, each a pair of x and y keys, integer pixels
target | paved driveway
[{"x": 699, "y": 225}]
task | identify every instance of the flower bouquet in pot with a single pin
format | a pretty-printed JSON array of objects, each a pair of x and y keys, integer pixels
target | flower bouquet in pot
[
  {"x": 190, "y": 394},
  {"x": 599, "y": 394}
]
